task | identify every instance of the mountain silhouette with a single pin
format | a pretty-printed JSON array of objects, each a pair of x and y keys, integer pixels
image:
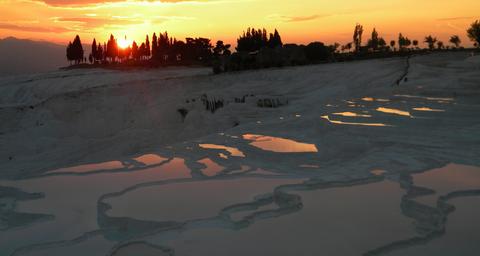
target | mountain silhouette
[{"x": 19, "y": 56}]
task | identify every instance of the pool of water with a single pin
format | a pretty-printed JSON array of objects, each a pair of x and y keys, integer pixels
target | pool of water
[
  {"x": 239, "y": 215},
  {"x": 277, "y": 144}
]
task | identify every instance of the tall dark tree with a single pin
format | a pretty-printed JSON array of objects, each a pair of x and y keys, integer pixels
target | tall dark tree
[
  {"x": 455, "y": 40},
  {"x": 219, "y": 49},
  {"x": 164, "y": 45},
  {"x": 75, "y": 51},
  {"x": 94, "y": 49},
  {"x": 178, "y": 50},
  {"x": 142, "y": 50},
  {"x": 357, "y": 37},
  {"x": 204, "y": 48},
  {"x": 99, "y": 52},
  {"x": 135, "y": 53},
  {"x": 127, "y": 52},
  {"x": 112, "y": 48},
  {"x": 254, "y": 40},
  {"x": 382, "y": 44},
  {"x": 275, "y": 40},
  {"x": 154, "y": 46},
  {"x": 408, "y": 42},
  {"x": 147, "y": 47},
  {"x": 70, "y": 54},
  {"x": 473, "y": 32},
  {"x": 430, "y": 41},
  {"x": 374, "y": 41},
  {"x": 105, "y": 54},
  {"x": 401, "y": 42}
]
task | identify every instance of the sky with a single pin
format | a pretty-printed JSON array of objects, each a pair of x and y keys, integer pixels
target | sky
[{"x": 299, "y": 22}]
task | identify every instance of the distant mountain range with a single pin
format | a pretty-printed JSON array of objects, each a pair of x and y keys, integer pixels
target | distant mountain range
[{"x": 19, "y": 56}]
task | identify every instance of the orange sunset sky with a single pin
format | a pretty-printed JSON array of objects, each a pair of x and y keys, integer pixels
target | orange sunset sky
[{"x": 298, "y": 22}]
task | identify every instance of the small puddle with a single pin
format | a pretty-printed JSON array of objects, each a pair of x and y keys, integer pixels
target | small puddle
[
  {"x": 350, "y": 123},
  {"x": 260, "y": 171},
  {"x": 422, "y": 97},
  {"x": 351, "y": 114},
  {"x": 233, "y": 151},
  {"x": 277, "y": 144},
  {"x": 372, "y": 99},
  {"x": 429, "y": 109},
  {"x": 212, "y": 167},
  {"x": 150, "y": 159},
  {"x": 393, "y": 111},
  {"x": 378, "y": 172},
  {"x": 308, "y": 166}
]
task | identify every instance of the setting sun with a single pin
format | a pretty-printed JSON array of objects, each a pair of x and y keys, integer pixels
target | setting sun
[{"x": 122, "y": 43}]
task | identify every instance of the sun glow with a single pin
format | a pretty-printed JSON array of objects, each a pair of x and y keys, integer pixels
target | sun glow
[{"x": 124, "y": 43}]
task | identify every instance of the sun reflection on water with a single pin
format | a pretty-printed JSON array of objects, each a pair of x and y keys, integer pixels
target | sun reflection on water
[{"x": 276, "y": 144}]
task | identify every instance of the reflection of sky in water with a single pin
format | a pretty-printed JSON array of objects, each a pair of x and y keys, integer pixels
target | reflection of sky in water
[
  {"x": 428, "y": 109},
  {"x": 378, "y": 172},
  {"x": 308, "y": 166},
  {"x": 372, "y": 99},
  {"x": 444, "y": 180},
  {"x": 461, "y": 229},
  {"x": 352, "y": 123},
  {"x": 233, "y": 151},
  {"x": 333, "y": 221},
  {"x": 351, "y": 114},
  {"x": 276, "y": 144},
  {"x": 393, "y": 111},
  {"x": 190, "y": 200},
  {"x": 92, "y": 167},
  {"x": 73, "y": 201},
  {"x": 150, "y": 159},
  {"x": 428, "y": 98},
  {"x": 212, "y": 167}
]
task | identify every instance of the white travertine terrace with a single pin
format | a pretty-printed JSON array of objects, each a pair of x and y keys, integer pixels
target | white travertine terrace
[{"x": 101, "y": 162}]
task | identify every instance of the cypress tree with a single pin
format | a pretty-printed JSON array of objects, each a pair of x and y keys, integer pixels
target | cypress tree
[
  {"x": 154, "y": 46},
  {"x": 147, "y": 48},
  {"x": 99, "y": 52},
  {"x": 112, "y": 48},
  {"x": 94, "y": 49},
  {"x": 135, "y": 50},
  {"x": 77, "y": 50},
  {"x": 70, "y": 52}
]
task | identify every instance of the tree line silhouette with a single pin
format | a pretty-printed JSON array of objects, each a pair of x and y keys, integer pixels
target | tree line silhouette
[{"x": 256, "y": 48}]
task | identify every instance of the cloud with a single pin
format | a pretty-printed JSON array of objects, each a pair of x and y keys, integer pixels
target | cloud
[
  {"x": 89, "y": 23},
  {"x": 19, "y": 21},
  {"x": 289, "y": 18},
  {"x": 455, "y": 27},
  {"x": 460, "y": 18},
  {"x": 100, "y": 3},
  {"x": 57, "y": 30},
  {"x": 303, "y": 18}
]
